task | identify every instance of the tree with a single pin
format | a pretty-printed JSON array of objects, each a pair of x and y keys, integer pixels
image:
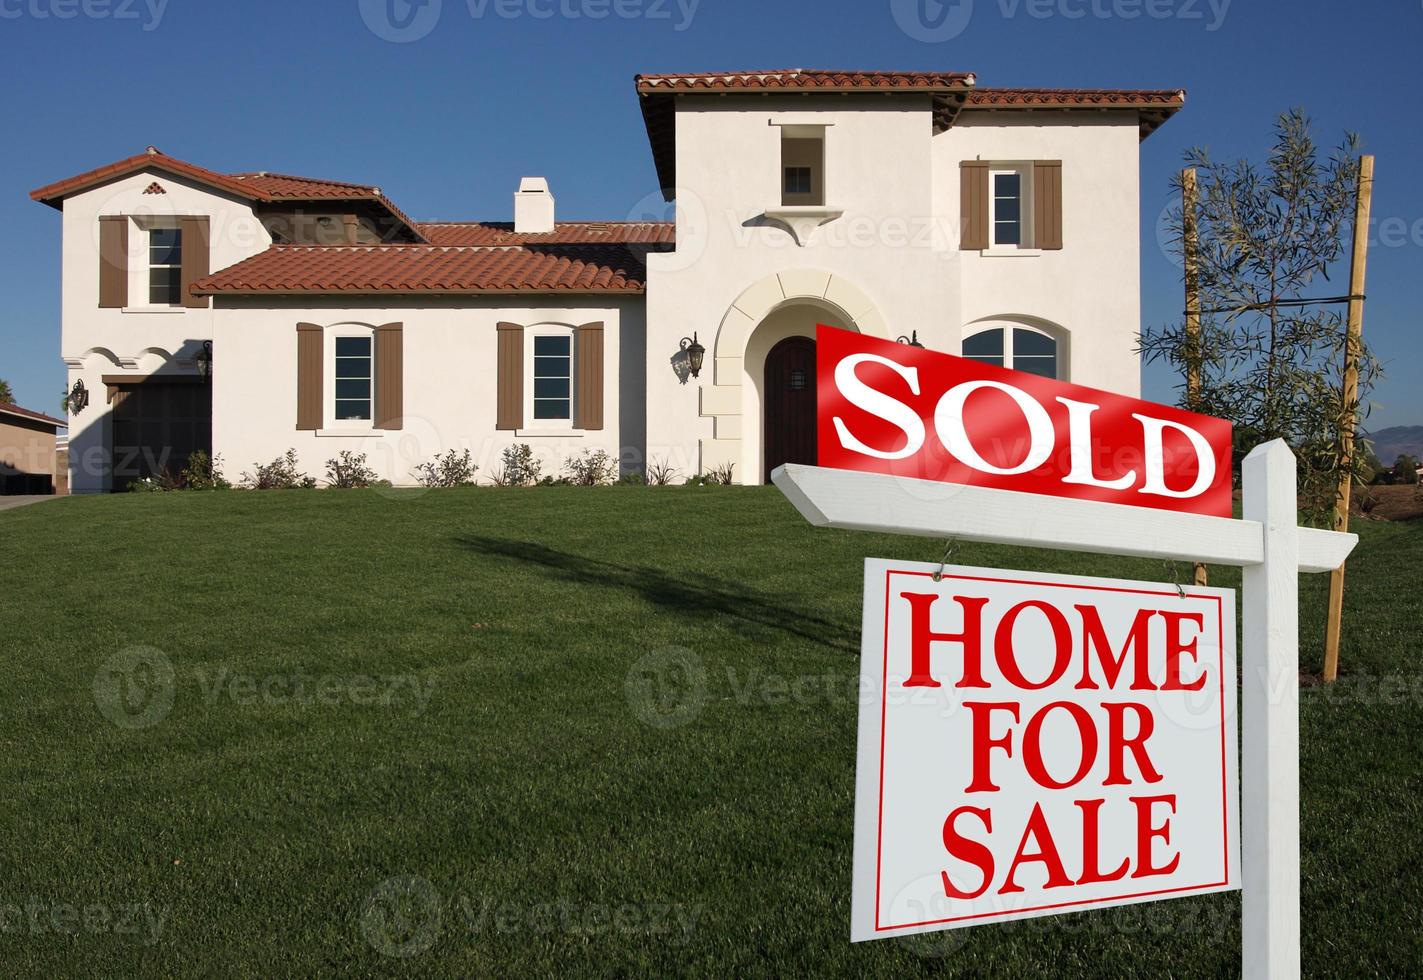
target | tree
[
  {"x": 6, "y": 395},
  {"x": 1270, "y": 354},
  {"x": 1405, "y": 469}
]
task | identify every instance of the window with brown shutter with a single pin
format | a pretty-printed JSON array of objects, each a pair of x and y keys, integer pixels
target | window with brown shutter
[
  {"x": 195, "y": 261},
  {"x": 310, "y": 371},
  {"x": 1047, "y": 204},
  {"x": 113, "y": 262},
  {"x": 390, "y": 376},
  {"x": 509, "y": 384},
  {"x": 588, "y": 366},
  {"x": 973, "y": 205}
]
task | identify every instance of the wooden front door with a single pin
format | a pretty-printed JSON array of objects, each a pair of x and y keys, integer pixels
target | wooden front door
[
  {"x": 788, "y": 399},
  {"x": 156, "y": 426}
]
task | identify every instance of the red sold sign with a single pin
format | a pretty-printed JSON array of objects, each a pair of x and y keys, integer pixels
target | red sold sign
[{"x": 893, "y": 408}]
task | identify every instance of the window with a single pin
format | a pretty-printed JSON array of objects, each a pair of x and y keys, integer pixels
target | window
[
  {"x": 165, "y": 266},
  {"x": 353, "y": 378},
  {"x": 1007, "y": 221},
  {"x": 1018, "y": 348},
  {"x": 802, "y": 165},
  {"x": 553, "y": 377}
]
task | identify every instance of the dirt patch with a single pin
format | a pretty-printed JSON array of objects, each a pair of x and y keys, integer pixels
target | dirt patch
[{"x": 1401, "y": 502}]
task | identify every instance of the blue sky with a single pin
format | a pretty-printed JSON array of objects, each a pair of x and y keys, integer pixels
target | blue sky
[{"x": 494, "y": 89}]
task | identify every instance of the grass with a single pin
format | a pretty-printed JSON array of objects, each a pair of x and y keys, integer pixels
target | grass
[{"x": 551, "y": 797}]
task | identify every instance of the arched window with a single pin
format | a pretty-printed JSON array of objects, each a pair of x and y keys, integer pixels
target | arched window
[{"x": 1019, "y": 348}]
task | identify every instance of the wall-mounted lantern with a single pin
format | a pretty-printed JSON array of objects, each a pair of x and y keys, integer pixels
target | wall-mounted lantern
[
  {"x": 204, "y": 361},
  {"x": 695, "y": 353},
  {"x": 78, "y": 398},
  {"x": 912, "y": 340}
]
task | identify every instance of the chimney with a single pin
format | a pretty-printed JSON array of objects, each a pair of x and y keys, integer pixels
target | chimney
[{"x": 533, "y": 206}]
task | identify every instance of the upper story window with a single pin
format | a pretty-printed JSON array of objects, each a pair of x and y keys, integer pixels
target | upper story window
[
  {"x": 1006, "y": 230},
  {"x": 1017, "y": 348},
  {"x": 353, "y": 375},
  {"x": 802, "y": 165},
  {"x": 165, "y": 266},
  {"x": 553, "y": 376}
]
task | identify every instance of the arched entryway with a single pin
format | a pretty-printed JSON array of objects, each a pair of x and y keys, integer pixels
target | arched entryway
[{"x": 788, "y": 405}]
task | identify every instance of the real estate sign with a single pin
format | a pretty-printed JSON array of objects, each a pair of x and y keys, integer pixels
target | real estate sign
[
  {"x": 1032, "y": 744},
  {"x": 910, "y": 412}
]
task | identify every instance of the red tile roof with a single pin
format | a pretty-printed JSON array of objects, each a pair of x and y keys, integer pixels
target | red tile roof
[
  {"x": 1153, "y": 106},
  {"x": 566, "y": 232},
  {"x": 804, "y": 78},
  {"x": 261, "y": 186},
  {"x": 10, "y": 408},
  {"x": 450, "y": 269}
]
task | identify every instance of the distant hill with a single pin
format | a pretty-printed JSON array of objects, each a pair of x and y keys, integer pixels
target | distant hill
[{"x": 1396, "y": 440}]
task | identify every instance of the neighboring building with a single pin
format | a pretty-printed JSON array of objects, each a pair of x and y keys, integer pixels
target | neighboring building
[
  {"x": 1000, "y": 223},
  {"x": 27, "y": 451}
]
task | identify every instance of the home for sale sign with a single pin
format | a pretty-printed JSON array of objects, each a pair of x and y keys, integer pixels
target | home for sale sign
[{"x": 1033, "y": 744}]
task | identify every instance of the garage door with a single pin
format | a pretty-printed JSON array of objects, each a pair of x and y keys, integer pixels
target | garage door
[{"x": 157, "y": 425}]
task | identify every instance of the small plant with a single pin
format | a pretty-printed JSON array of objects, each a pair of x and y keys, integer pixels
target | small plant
[
  {"x": 518, "y": 467},
  {"x": 591, "y": 468},
  {"x": 716, "y": 476},
  {"x": 660, "y": 473},
  {"x": 632, "y": 479},
  {"x": 450, "y": 470},
  {"x": 348, "y": 471},
  {"x": 204, "y": 472},
  {"x": 147, "y": 484},
  {"x": 280, "y": 474}
]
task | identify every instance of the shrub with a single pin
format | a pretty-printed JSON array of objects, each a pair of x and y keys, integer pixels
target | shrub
[
  {"x": 591, "y": 468},
  {"x": 660, "y": 473},
  {"x": 632, "y": 479},
  {"x": 204, "y": 473},
  {"x": 450, "y": 470},
  {"x": 717, "y": 476},
  {"x": 348, "y": 471},
  {"x": 280, "y": 474},
  {"x": 518, "y": 467},
  {"x": 149, "y": 484}
]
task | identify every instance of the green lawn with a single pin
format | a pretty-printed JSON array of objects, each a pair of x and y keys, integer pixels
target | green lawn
[{"x": 499, "y": 763}]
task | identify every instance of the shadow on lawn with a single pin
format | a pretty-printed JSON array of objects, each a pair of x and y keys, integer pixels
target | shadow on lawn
[{"x": 707, "y": 595}]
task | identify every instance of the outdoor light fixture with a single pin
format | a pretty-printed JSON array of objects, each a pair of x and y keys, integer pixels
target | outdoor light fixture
[
  {"x": 912, "y": 340},
  {"x": 204, "y": 361},
  {"x": 78, "y": 397},
  {"x": 695, "y": 352}
]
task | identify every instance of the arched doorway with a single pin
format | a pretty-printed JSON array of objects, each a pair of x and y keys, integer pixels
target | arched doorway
[{"x": 788, "y": 398}]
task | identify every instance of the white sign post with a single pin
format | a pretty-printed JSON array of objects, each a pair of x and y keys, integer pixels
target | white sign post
[{"x": 1266, "y": 543}]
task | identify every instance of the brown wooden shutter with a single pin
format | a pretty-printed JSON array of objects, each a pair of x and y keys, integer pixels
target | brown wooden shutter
[
  {"x": 1047, "y": 203},
  {"x": 510, "y": 382},
  {"x": 196, "y": 264},
  {"x": 310, "y": 370},
  {"x": 973, "y": 205},
  {"x": 390, "y": 376},
  {"x": 588, "y": 367},
  {"x": 113, "y": 261}
]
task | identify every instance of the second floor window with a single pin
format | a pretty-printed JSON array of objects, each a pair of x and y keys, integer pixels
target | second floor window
[
  {"x": 797, "y": 180},
  {"x": 1007, "y": 217},
  {"x": 165, "y": 266},
  {"x": 802, "y": 165}
]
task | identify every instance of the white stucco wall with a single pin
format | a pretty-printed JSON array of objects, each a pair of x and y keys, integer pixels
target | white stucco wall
[
  {"x": 450, "y": 355},
  {"x": 139, "y": 339}
]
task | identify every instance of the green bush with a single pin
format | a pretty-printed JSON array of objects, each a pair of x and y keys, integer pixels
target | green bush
[
  {"x": 518, "y": 467},
  {"x": 348, "y": 471},
  {"x": 450, "y": 470},
  {"x": 281, "y": 473}
]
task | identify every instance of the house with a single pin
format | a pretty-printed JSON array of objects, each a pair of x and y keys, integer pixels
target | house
[
  {"x": 27, "y": 451},
  {"x": 247, "y": 313}
]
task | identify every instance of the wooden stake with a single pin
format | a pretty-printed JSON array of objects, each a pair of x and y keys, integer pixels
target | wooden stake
[
  {"x": 1349, "y": 415},
  {"x": 1190, "y": 246}
]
